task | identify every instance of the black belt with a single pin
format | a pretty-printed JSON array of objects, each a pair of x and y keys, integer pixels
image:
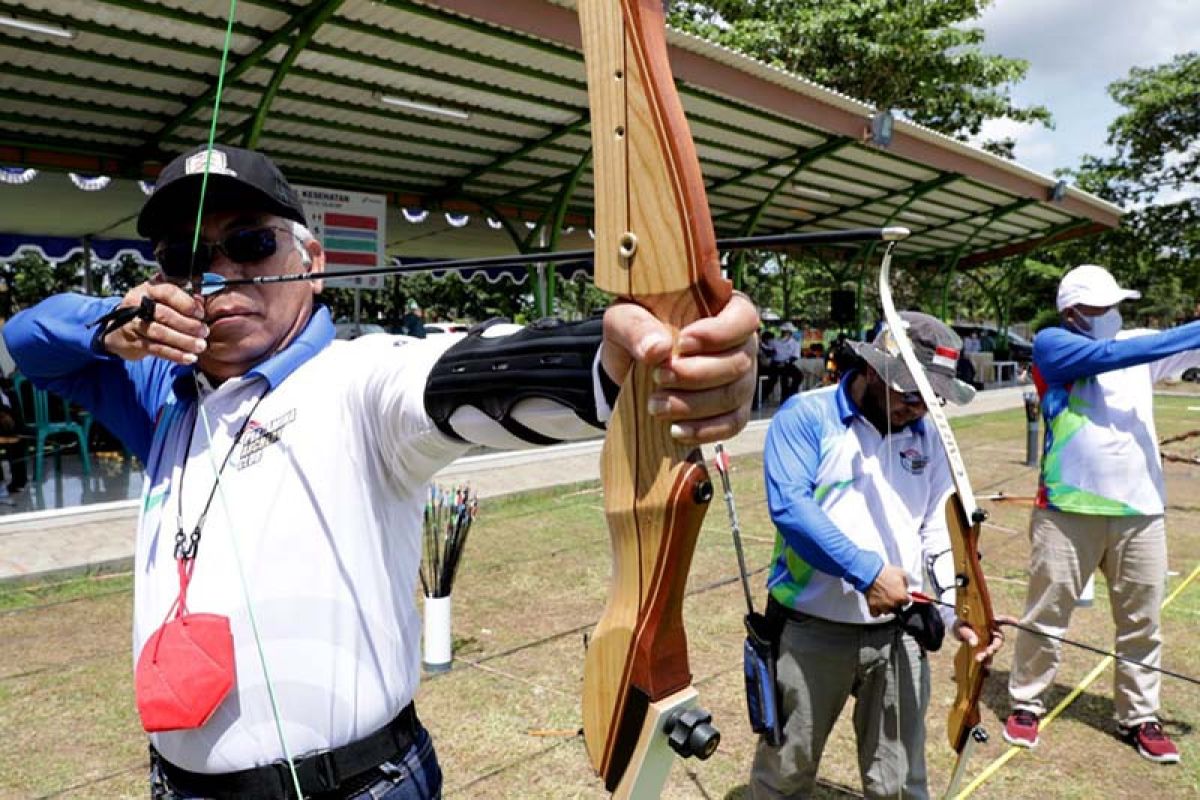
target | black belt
[
  {"x": 327, "y": 771},
  {"x": 778, "y": 611}
]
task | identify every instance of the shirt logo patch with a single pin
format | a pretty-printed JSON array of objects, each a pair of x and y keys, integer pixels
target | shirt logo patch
[
  {"x": 259, "y": 437},
  {"x": 913, "y": 460}
]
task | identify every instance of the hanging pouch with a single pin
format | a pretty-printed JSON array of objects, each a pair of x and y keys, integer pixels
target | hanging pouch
[
  {"x": 186, "y": 667},
  {"x": 758, "y": 661}
]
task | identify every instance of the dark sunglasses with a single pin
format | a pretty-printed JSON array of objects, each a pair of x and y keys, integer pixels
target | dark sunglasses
[
  {"x": 245, "y": 246},
  {"x": 915, "y": 399}
]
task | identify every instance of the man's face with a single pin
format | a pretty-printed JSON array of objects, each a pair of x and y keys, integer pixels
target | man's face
[
  {"x": 249, "y": 323},
  {"x": 899, "y": 408}
]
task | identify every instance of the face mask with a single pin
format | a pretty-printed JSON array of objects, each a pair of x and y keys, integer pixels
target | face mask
[{"x": 1104, "y": 326}]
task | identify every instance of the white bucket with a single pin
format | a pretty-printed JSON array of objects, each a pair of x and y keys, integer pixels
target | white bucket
[{"x": 437, "y": 634}]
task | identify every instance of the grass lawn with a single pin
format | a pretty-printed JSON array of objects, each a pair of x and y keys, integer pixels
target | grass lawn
[{"x": 533, "y": 583}]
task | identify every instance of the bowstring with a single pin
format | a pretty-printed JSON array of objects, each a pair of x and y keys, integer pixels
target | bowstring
[{"x": 207, "y": 424}]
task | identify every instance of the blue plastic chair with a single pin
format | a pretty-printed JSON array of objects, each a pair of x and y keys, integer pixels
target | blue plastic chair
[{"x": 51, "y": 417}]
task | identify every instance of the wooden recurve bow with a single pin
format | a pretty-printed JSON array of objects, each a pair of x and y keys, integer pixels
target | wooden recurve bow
[
  {"x": 963, "y": 518},
  {"x": 655, "y": 246}
]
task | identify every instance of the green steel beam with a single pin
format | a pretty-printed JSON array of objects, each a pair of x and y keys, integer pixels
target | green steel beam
[
  {"x": 451, "y": 79},
  {"x": 956, "y": 256},
  {"x": 1007, "y": 208},
  {"x": 195, "y": 76},
  {"x": 16, "y": 95},
  {"x": 1045, "y": 233},
  {"x": 552, "y": 180},
  {"x": 831, "y": 145},
  {"x": 319, "y": 17},
  {"x": 205, "y": 98},
  {"x": 935, "y": 183},
  {"x": 560, "y": 212},
  {"x": 915, "y": 194},
  {"x": 518, "y": 154}
]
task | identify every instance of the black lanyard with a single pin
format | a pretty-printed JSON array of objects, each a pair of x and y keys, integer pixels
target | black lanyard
[{"x": 185, "y": 547}]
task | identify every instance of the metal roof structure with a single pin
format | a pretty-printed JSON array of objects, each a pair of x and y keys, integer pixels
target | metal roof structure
[{"x": 476, "y": 106}]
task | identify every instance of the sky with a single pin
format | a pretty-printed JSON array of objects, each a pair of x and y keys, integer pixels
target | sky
[{"x": 1075, "y": 49}]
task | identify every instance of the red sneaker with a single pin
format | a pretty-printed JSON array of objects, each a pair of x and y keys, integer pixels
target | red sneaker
[
  {"x": 1021, "y": 728},
  {"x": 1152, "y": 743}
]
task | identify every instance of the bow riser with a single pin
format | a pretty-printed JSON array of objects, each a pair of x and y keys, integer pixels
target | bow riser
[
  {"x": 638, "y": 652},
  {"x": 655, "y": 246},
  {"x": 972, "y": 604}
]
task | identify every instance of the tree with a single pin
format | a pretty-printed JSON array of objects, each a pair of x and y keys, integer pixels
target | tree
[
  {"x": 1153, "y": 172},
  {"x": 917, "y": 58}
]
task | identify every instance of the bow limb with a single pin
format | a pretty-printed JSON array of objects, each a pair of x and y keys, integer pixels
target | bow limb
[
  {"x": 972, "y": 603},
  {"x": 655, "y": 246}
]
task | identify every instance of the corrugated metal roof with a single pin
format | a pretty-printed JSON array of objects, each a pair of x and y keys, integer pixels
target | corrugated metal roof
[{"x": 131, "y": 88}]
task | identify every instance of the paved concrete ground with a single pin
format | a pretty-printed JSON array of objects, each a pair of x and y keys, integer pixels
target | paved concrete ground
[{"x": 98, "y": 538}]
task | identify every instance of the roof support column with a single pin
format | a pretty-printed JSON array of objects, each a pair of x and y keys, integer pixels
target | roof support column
[{"x": 544, "y": 275}]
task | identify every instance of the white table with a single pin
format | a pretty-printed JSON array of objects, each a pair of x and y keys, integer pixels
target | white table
[{"x": 1002, "y": 368}]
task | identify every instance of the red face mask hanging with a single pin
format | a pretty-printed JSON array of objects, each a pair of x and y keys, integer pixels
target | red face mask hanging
[{"x": 186, "y": 667}]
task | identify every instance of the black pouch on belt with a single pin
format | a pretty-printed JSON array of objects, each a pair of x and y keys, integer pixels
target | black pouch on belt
[
  {"x": 758, "y": 659},
  {"x": 923, "y": 622}
]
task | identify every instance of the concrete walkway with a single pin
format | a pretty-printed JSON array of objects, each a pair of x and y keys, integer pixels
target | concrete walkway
[{"x": 99, "y": 538}]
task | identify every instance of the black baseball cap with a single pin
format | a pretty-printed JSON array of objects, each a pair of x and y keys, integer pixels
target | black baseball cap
[
  {"x": 238, "y": 179},
  {"x": 937, "y": 348}
]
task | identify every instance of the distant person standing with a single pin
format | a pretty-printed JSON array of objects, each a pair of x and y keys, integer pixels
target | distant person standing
[
  {"x": 783, "y": 362},
  {"x": 766, "y": 366},
  {"x": 1100, "y": 502},
  {"x": 413, "y": 323}
]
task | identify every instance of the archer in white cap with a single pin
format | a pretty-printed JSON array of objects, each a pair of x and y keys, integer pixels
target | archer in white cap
[{"x": 1100, "y": 499}]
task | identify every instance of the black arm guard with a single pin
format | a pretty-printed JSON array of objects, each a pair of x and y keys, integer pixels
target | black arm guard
[{"x": 551, "y": 359}]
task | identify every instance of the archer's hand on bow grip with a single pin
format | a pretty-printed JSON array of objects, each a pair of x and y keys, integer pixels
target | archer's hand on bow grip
[{"x": 705, "y": 387}]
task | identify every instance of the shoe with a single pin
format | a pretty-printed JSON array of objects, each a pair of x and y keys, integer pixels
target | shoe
[
  {"x": 1151, "y": 742},
  {"x": 1021, "y": 728}
]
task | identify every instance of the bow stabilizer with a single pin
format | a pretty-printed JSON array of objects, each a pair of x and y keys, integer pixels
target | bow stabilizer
[{"x": 655, "y": 246}]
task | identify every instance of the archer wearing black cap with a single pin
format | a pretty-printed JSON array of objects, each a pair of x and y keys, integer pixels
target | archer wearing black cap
[
  {"x": 275, "y": 452},
  {"x": 237, "y": 178},
  {"x": 856, "y": 488}
]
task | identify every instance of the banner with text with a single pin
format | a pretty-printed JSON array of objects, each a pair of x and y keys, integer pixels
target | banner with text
[{"x": 351, "y": 226}]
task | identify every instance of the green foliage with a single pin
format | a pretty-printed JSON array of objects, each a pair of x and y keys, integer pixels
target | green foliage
[
  {"x": 29, "y": 279},
  {"x": 1153, "y": 172},
  {"x": 918, "y": 58},
  {"x": 1156, "y": 137},
  {"x": 450, "y": 299}
]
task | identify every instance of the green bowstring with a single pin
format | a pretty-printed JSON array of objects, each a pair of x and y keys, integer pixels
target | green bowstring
[{"x": 212, "y": 136}]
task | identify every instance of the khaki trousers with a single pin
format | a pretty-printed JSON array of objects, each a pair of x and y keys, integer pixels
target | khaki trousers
[
  {"x": 821, "y": 665},
  {"x": 1066, "y": 550}
]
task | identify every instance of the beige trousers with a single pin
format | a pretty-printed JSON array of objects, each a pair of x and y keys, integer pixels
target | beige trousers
[
  {"x": 821, "y": 665},
  {"x": 1066, "y": 550}
]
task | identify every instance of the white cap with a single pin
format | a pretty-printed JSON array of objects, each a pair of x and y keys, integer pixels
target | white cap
[
  {"x": 1091, "y": 285},
  {"x": 787, "y": 326}
]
